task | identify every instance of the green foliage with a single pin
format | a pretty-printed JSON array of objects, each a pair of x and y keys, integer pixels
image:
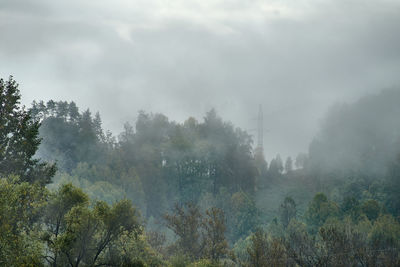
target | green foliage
[
  {"x": 19, "y": 138},
  {"x": 371, "y": 209},
  {"x": 385, "y": 233},
  {"x": 245, "y": 215},
  {"x": 345, "y": 243},
  {"x": 186, "y": 222},
  {"x": 103, "y": 190},
  {"x": 265, "y": 251},
  {"x": 205, "y": 263},
  {"x": 258, "y": 249},
  {"x": 179, "y": 260},
  {"x": 55, "y": 217},
  {"x": 240, "y": 250},
  {"x": 319, "y": 210},
  {"x": 60, "y": 229},
  {"x": 215, "y": 244},
  {"x": 199, "y": 236},
  {"x": 351, "y": 207},
  {"x": 77, "y": 234},
  {"x": 134, "y": 250},
  {"x": 300, "y": 245},
  {"x": 20, "y": 208}
]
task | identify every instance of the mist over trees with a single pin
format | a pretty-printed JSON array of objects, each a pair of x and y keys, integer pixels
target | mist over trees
[
  {"x": 164, "y": 193},
  {"x": 362, "y": 138}
]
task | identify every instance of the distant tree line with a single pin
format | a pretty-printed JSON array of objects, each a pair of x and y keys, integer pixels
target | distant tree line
[{"x": 156, "y": 164}]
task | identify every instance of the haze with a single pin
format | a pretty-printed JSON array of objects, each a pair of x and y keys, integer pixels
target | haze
[{"x": 182, "y": 58}]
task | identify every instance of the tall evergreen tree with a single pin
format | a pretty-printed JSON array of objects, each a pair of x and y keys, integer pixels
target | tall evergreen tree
[{"x": 19, "y": 138}]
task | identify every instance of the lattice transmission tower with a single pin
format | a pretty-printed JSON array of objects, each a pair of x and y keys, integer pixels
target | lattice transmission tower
[{"x": 260, "y": 131}]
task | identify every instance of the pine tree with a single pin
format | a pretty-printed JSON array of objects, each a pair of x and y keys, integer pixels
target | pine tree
[{"x": 19, "y": 139}]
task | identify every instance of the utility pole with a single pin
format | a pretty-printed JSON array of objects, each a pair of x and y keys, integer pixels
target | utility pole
[
  {"x": 259, "y": 151},
  {"x": 260, "y": 132}
]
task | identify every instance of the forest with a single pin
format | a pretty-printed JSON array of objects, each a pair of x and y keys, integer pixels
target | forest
[{"x": 196, "y": 193}]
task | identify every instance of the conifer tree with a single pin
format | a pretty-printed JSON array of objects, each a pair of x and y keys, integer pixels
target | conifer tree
[{"x": 19, "y": 138}]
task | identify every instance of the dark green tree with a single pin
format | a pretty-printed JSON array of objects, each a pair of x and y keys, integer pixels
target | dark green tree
[
  {"x": 19, "y": 138},
  {"x": 73, "y": 112}
]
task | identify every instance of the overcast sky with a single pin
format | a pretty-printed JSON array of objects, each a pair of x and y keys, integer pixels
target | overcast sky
[{"x": 181, "y": 58}]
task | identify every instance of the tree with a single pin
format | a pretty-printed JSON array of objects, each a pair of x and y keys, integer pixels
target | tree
[
  {"x": 62, "y": 109},
  {"x": 19, "y": 139},
  {"x": 262, "y": 168},
  {"x": 145, "y": 153},
  {"x": 77, "y": 234},
  {"x": 371, "y": 209},
  {"x": 351, "y": 207},
  {"x": 264, "y": 251},
  {"x": 135, "y": 251},
  {"x": 287, "y": 211},
  {"x": 59, "y": 205},
  {"x": 384, "y": 240},
  {"x": 319, "y": 210},
  {"x": 336, "y": 241},
  {"x": 215, "y": 245},
  {"x": 97, "y": 126},
  {"x": 289, "y": 165},
  {"x": 276, "y": 166},
  {"x": 279, "y": 163},
  {"x": 300, "y": 245},
  {"x": 185, "y": 222},
  {"x": 51, "y": 106},
  {"x": 244, "y": 215},
  {"x": 20, "y": 208},
  {"x": 73, "y": 112},
  {"x": 258, "y": 249}
]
